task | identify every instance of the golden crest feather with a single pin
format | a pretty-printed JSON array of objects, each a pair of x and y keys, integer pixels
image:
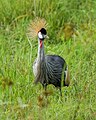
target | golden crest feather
[{"x": 35, "y": 27}]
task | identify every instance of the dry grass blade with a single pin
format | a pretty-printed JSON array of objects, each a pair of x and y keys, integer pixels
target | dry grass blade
[{"x": 35, "y": 26}]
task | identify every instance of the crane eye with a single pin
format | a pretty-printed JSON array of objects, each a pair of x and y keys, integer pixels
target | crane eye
[{"x": 40, "y": 36}]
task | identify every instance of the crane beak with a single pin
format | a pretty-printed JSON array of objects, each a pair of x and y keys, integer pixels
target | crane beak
[{"x": 46, "y": 36}]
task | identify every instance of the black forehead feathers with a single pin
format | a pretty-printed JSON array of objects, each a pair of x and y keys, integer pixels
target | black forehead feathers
[{"x": 43, "y": 31}]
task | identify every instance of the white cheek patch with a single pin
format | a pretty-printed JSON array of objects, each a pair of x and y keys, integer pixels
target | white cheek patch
[{"x": 40, "y": 35}]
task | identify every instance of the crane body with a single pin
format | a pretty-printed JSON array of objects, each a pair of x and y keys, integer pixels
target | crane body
[{"x": 49, "y": 69}]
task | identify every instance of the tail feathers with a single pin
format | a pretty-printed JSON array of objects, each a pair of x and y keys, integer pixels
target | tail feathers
[{"x": 66, "y": 77}]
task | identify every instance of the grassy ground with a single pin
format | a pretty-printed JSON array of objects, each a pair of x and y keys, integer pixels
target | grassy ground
[{"x": 20, "y": 99}]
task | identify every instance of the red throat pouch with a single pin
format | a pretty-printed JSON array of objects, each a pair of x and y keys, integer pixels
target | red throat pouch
[{"x": 40, "y": 43}]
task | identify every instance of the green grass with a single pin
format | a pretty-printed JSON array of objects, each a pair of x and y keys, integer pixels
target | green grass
[{"x": 20, "y": 99}]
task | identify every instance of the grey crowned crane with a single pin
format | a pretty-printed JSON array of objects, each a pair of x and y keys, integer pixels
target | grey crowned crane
[{"x": 48, "y": 69}]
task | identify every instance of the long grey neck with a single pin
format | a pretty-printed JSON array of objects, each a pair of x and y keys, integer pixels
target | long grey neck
[
  {"x": 41, "y": 55},
  {"x": 40, "y": 62}
]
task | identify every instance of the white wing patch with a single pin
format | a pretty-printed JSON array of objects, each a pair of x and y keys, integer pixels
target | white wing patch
[{"x": 67, "y": 77}]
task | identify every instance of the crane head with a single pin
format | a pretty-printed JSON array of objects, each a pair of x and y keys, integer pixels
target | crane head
[
  {"x": 37, "y": 27},
  {"x": 42, "y": 34}
]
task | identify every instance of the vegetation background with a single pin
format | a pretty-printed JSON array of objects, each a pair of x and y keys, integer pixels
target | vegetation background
[{"x": 72, "y": 35}]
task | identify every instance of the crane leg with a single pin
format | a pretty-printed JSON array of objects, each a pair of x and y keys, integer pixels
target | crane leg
[
  {"x": 45, "y": 87},
  {"x": 60, "y": 93}
]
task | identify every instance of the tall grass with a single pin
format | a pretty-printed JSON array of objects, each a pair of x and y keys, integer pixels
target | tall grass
[{"x": 19, "y": 97}]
